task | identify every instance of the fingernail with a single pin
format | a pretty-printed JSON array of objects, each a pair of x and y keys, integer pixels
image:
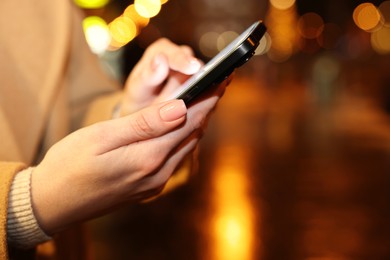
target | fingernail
[
  {"x": 173, "y": 110},
  {"x": 194, "y": 63},
  {"x": 156, "y": 62}
]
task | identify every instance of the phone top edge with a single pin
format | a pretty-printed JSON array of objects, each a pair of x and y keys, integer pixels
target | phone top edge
[
  {"x": 256, "y": 31},
  {"x": 240, "y": 51}
]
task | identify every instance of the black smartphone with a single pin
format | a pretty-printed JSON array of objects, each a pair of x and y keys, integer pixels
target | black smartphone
[{"x": 238, "y": 52}]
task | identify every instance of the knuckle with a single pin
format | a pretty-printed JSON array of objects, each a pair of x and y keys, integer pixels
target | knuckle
[
  {"x": 161, "y": 43},
  {"x": 154, "y": 158},
  {"x": 153, "y": 165},
  {"x": 198, "y": 121},
  {"x": 142, "y": 127},
  {"x": 164, "y": 40},
  {"x": 187, "y": 49},
  {"x": 95, "y": 133}
]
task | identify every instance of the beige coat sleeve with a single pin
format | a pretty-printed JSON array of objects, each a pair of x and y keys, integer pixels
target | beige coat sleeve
[{"x": 8, "y": 171}]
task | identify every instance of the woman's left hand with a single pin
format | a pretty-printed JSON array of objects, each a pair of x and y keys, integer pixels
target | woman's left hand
[{"x": 163, "y": 67}]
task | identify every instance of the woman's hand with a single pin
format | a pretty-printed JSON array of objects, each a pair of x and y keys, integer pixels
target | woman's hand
[
  {"x": 100, "y": 167},
  {"x": 104, "y": 165},
  {"x": 163, "y": 67}
]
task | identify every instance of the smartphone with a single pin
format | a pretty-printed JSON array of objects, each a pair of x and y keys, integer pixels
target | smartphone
[{"x": 235, "y": 54}]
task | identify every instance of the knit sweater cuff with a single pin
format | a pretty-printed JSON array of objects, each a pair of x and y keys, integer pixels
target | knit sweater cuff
[{"x": 23, "y": 230}]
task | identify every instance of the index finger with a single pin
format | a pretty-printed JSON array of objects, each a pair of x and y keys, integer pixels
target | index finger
[{"x": 180, "y": 57}]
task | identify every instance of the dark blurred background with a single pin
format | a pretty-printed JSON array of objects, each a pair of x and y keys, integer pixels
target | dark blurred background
[{"x": 296, "y": 160}]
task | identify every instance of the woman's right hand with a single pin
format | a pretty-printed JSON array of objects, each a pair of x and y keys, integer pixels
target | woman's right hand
[
  {"x": 108, "y": 164},
  {"x": 103, "y": 166}
]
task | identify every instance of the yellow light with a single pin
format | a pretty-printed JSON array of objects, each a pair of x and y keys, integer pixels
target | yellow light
[
  {"x": 233, "y": 231},
  {"x": 232, "y": 226},
  {"x": 366, "y": 16},
  {"x": 282, "y": 4},
  {"x": 122, "y": 31},
  {"x": 282, "y": 31},
  {"x": 91, "y": 4},
  {"x": 147, "y": 8},
  {"x": 96, "y": 33},
  {"x": 380, "y": 40},
  {"x": 139, "y": 21},
  {"x": 233, "y": 236}
]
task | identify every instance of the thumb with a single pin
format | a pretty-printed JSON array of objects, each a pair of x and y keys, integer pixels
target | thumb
[{"x": 148, "y": 123}]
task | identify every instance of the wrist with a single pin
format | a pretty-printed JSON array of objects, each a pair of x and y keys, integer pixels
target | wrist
[
  {"x": 23, "y": 230},
  {"x": 66, "y": 199}
]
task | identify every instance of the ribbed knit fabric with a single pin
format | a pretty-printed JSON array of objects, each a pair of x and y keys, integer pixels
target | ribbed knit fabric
[{"x": 23, "y": 230}]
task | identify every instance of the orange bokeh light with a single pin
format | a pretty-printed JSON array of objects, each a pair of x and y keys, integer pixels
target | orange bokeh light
[
  {"x": 367, "y": 17},
  {"x": 310, "y": 25},
  {"x": 122, "y": 31}
]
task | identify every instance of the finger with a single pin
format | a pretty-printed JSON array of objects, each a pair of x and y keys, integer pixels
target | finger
[
  {"x": 182, "y": 62},
  {"x": 160, "y": 61},
  {"x": 187, "y": 49},
  {"x": 147, "y": 123},
  {"x": 162, "y": 64},
  {"x": 153, "y": 74},
  {"x": 180, "y": 58},
  {"x": 173, "y": 161},
  {"x": 172, "y": 85}
]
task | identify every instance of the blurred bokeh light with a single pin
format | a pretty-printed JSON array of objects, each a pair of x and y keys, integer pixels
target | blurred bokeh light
[
  {"x": 91, "y": 4},
  {"x": 282, "y": 4},
  {"x": 310, "y": 25},
  {"x": 367, "y": 16},
  {"x": 97, "y": 34},
  {"x": 147, "y": 8},
  {"x": 140, "y": 21},
  {"x": 233, "y": 224},
  {"x": 380, "y": 40},
  {"x": 289, "y": 32},
  {"x": 282, "y": 27},
  {"x": 122, "y": 30}
]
